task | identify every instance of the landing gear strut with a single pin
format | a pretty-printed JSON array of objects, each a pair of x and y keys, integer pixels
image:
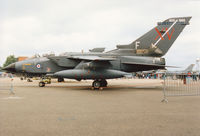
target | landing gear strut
[{"x": 99, "y": 84}]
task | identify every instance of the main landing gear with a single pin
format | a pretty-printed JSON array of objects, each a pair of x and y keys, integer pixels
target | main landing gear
[
  {"x": 99, "y": 84},
  {"x": 61, "y": 79}
]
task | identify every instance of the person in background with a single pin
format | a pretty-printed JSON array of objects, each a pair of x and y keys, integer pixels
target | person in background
[{"x": 11, "y": 86}]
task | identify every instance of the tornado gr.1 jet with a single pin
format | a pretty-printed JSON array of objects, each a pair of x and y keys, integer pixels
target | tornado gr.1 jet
[{"x": 143, "y": 54}]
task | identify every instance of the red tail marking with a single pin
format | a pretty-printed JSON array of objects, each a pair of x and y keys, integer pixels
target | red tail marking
[
  {"x": 169, "y": 36},
  {"x": 159, "y": 34}
]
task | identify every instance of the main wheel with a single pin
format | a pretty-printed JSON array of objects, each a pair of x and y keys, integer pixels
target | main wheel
[
  {"x": 60, "y": 79},
  {"x": 41, "y": 84},
  {"x": 104, "y": 83},
  {"x": 96, "y": 84}
]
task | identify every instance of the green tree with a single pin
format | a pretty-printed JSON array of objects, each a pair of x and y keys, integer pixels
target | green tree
[{"x": 9, "y": 60}]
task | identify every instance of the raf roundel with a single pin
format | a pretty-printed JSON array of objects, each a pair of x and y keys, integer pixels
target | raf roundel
[{"x": 38, "y": 66}]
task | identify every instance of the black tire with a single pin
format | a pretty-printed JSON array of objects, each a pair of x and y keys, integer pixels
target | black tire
[
  {"x": 104, "y": 83},
  {"x": 60, "y": 79},
  {"x": 96, "y": 84},
  {"x": 41, "y": 84}
]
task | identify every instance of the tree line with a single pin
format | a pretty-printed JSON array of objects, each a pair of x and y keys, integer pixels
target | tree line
[{"x": 9, "y": 60}]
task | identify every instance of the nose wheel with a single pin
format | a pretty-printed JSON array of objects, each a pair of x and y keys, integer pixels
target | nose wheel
[{"x": 99, "y": 84}]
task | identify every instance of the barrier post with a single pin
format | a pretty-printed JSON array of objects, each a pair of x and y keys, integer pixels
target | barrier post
[{"x": 164, "y": 90}]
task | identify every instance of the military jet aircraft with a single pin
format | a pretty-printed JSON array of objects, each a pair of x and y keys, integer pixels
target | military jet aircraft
[
  {"x": 145, "y": 53},
  {"x": 182, "y": 72}
]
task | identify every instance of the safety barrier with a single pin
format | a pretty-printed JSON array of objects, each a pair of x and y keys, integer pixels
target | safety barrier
[{"x": 181, "y": 85}]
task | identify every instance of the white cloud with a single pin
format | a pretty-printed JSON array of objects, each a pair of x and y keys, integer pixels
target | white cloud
[{"x": 29, "y": 27}]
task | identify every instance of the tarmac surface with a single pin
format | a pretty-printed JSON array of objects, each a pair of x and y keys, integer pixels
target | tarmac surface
[{"x": 127, "y": 107}]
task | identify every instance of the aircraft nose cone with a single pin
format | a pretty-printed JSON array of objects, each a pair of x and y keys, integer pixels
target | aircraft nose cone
[{"x": 10, "y": 68}]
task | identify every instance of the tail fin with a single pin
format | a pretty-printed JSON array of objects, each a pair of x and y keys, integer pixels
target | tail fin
[
  {"x": 158, "y": 40},
  {"x": 189, "y": 68}
]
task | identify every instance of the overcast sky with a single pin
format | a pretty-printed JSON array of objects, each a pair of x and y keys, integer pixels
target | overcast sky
[{"x": 28, "y": 27}]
